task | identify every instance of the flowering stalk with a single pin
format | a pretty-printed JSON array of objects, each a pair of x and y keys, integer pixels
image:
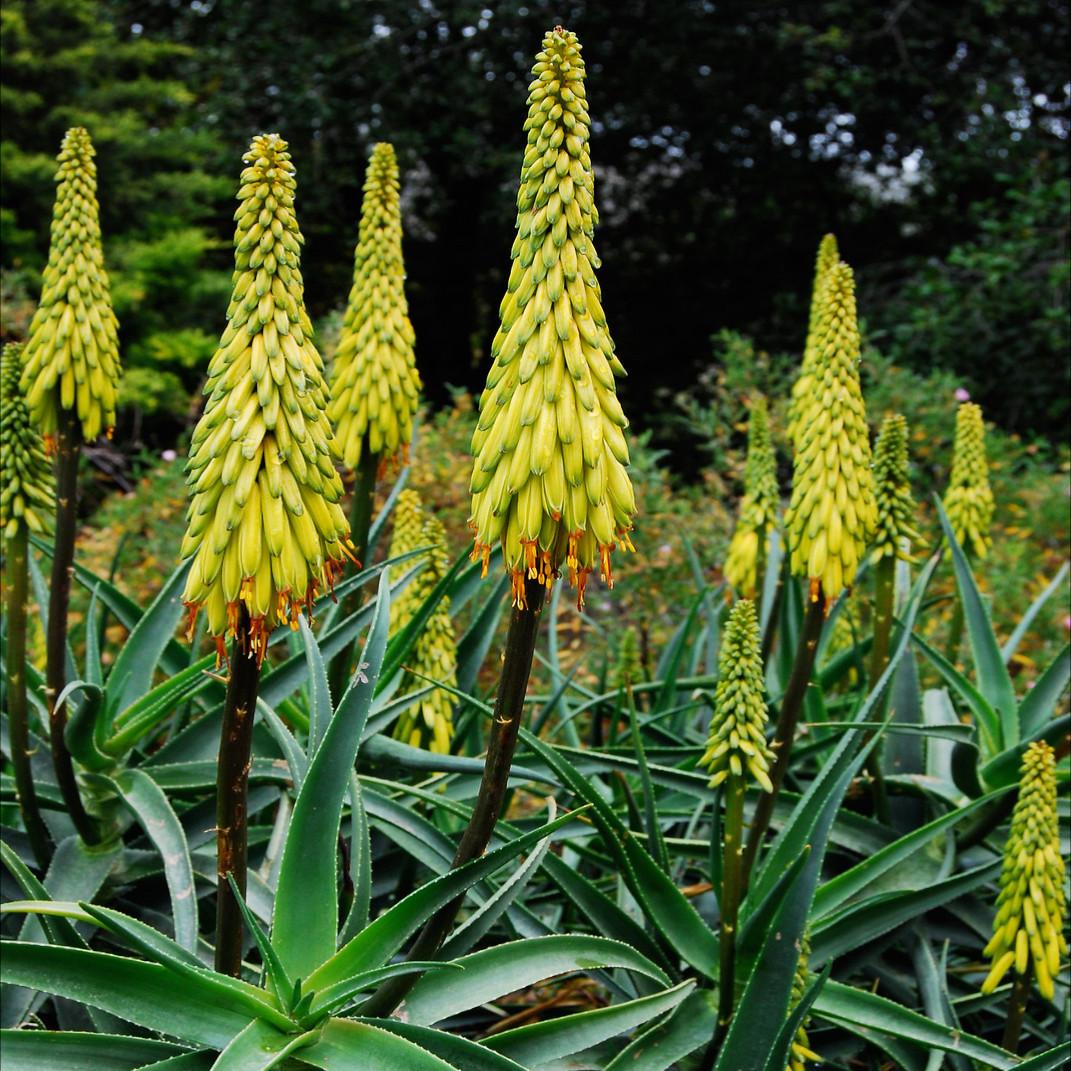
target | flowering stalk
[
  {"x": 832, "y": 511},
  {"x": 1028, "y": 928},
  {"x": 968, "y": 501},
  {"x": 70, "y": 379},
  {"x": 27, "y": 495},
  {"x": 429, "y": 723},
  {"x": 745, "y": 564},
  {"x": 266, "y": 530},
  {"x": 800, "y": 1052},
  {"x": 549, "y": 480},
  {"x": 736, "y": 750}
]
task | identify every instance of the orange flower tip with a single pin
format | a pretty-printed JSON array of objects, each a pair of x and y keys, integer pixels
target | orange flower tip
[
  {"x": 814, "y": 588},
  {"x": 109, "y": 433},
  {"x": 50, "y": 445},
  {"x": 516, "y": 579},
  {"x": 221, "y": 653},
  {"x": 192, "y": 610}
]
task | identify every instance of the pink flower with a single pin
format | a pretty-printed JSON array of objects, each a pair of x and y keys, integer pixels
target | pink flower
[
  {"x": 962, "y": 394},
  {"x": 169, "y": 455}
]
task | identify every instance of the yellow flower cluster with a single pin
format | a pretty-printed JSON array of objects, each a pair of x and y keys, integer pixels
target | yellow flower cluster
[
  {"x": 549, "y": 480},
  {"x": 758, "y": 509},
  {"x": 375, "y": 386},
  {"x": 969, "y": 500},
  {"x": 738, "y": 725},
  {"x": 27, "y": 491},
  {"x": 72, "y": 354},
  {"x": 430, "y": 721},
  {"x": 264, "y": 525},
  {"x": 800, "y": 1052},
  {"x": 832, "y": 512},
  {"x": 892, "y": 491},
  {"x": 1031, "y": 909}
]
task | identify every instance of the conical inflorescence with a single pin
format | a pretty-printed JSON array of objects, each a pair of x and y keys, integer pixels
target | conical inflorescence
[
  {"x": 800, "y": 1052},
  {"x": 27, "y": 490},
  {"x": 549, "y": 480},
  {"x": 894, "y": 531},
  {"x": 1028, "y": 929},
  {"x": 375, "y": 386},
  {"x": 828, "y": 256},
  {"x": 969, "y": 500},
  {"x": 264, "y": 525},
  {"x": 832, "y": 511},
  {"x": 758, "y": 509},
  {"x": 429, "y": 723},
  {"x": 738, "y": 726},
  {"x": 72, "y": 353}
]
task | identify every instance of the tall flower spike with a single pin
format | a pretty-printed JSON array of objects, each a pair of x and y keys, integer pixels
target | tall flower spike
[
  {"x": 738, "y": 726},
  {"x": 828, "y": 256},
  {"x": 549, "y": 479},
  {"x": 832, "y": 511},
  {"x": 72, "y": 355},
  {"x": 27, "y": 491},
  {"x": 1031, "y": 908},
  {"x": 264, "y": 523},
  {"x": 430, "y": 722},
  {"x": 895, "y": 530},
  {"x": 375, "y": 386},
  {"x": 969, "y": 500},
  {"x": 758, "y": 509},
  {"x": 800, "y": 1052}
]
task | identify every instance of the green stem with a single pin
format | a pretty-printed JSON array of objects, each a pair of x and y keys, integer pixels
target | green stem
[
  {"x": 505, "y": 725},
  {"x": 788, "y": 717},
  {"x": 17, "y": 584},
  {"x": 731, "y": 894},
  {"x": 1013, "y": 1026},
  {"x": 232, "y": 789},
  {"x": 68, "y": 448}
]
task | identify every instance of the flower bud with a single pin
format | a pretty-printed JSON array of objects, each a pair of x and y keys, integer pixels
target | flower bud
[
  {"x": 737, "y": 740},
  {"x": 72, "y": 354},
  {"x": 550, "y": 478},
  {"x": 265, "y": 526},
  {"x": 895, "y": 529},
  {"x": 800, "y": 1052},
  {"x": 375, "y": 387},
  {"x": 969, "y": 500},
  {"x": 27, "y": 491}
]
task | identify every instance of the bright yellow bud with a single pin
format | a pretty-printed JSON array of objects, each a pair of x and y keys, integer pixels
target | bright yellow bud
[
  {"x": 969, "y": 500},
  {"x": 27, "y": 491}
]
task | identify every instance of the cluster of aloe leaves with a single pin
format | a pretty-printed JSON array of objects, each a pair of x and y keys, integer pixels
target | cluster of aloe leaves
[{"x": 611, "y": 873}]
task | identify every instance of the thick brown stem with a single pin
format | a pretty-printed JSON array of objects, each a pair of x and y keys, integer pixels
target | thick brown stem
[
  {"x": 68, "y": 448},
  {"x": 505, "y": 725},
  {"x": 788, "y": 717},
  {"x": 1013, "y": 1025},
  {"x": 17, "y": 584},
  {"x": 232, "y": 787}
]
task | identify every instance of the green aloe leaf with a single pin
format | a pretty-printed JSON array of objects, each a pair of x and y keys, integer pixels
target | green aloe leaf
[
  {"x": 1021, "y": 629},
  {"x": 473, "y": 646},
  {"x": 690, "y": 1027},
  {"x": 346, "y": 1045},
  {"x": 492, "y": 972},
  {"x": 457, "y": 1051},
  {"x": 337, "y": 996},
  {"x": 557, "y": 1038},
  {"x": 1004, "y": 769},
  {"x": 1036, "y": 709},
  {"x": 319, "y": 691},
  {"x": 260, "y": 1046},
  {"x": 155, "y": 815},
  {"x": 306, "y": 899},
  {"x": 59, "y": 930},
  {"x": 1053, "y": 1060},
  {"x": 69, "y": 1050}
]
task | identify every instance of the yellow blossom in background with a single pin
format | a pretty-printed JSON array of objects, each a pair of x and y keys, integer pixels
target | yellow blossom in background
[
  {"x": 72, "y": 352},
  {"x": 27, "y": 490},
  {"x": 738, "y": 725},
  {"x": 1028, "y": 929},
  {"x": 800, "y": 1052},
  {"x": 969, "y": 500},
  {"x": 758, "y": 509},
  {"x": 895, "y": 529},
  {"x": 828, "y": 256},
  {"x": 429, "y": 722},
  {"x": 375, "y": 387},
  {"x": 832, "y": 512},
  {"x": 549, "y": 480},
  {"x": 265, "y": 527}
]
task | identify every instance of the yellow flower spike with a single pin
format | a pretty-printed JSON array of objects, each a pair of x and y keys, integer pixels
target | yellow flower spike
[
  {"x": 800, "y": 1052},
  {"x": 892, "y": 491},
  {"x": 265, "y": 527},
  {"x": 737, "y": 740},
  {"x": 549, "y": 479},
  {"x": 832, "y": 511},
  {"x": 27, "y": 490},
  {"x": 375, "y": 387},
  {"x": 1028, "y": 928},
  {"x": 430, "y": 722},
  {"x": 72, "y": 354},
  {"x": 969, "y": 500},
  {"x": 628, "y": 669},
  {"x": 758, "y": 509},
  {"x": 828, "y": 256}
]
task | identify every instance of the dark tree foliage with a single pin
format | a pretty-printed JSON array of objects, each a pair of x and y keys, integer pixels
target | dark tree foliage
[{"x": 728, "y": 137}]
